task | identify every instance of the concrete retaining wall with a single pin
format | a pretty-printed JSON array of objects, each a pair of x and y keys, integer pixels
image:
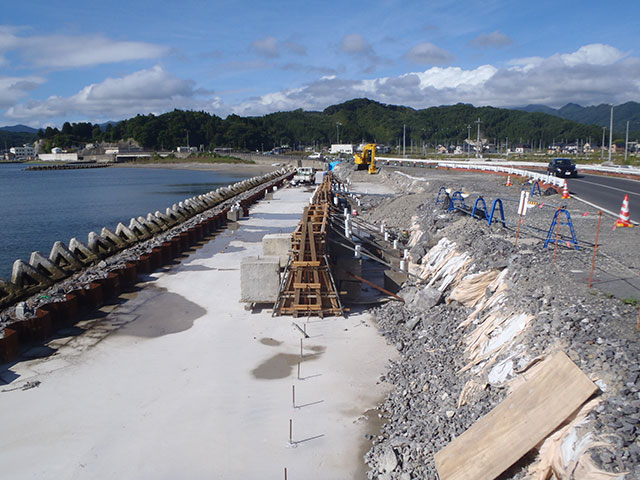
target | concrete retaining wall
[{"x": 79, "y": 277}]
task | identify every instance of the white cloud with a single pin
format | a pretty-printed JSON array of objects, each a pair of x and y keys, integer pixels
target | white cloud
[
  {"x": 594, "y": 54},
  {"x": 270, "y": 47},
  {"x": 586, "y": 76},
  {"x": 14, "y": 88},
  {"x": 153, "y": 90},
  {"x": 355, "y": 44},
  {"x": 67, "y": 51},
  {"x": 295, "y": 47},
  {"x": 428, "y": 54},
  {"x": 267, "y": 46},
  {"x": 493, "y": 39}
]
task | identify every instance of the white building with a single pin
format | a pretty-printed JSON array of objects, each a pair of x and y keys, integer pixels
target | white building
[
  {"x": 337, "y": 148},
  {"x": 25, "y": 151}
]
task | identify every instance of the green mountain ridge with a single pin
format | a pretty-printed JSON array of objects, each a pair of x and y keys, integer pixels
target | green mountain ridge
[
  {"x": 354, "y": 121},
  {"x": 596, "y": 115}
]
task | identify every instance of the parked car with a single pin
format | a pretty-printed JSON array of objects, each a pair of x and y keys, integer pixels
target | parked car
[{"x": 562, "y": 167}]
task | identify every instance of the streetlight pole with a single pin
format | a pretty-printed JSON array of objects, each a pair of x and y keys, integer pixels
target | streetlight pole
[
  {"x": 338, "y": 132},
  {"x": 404, "y": 138},
  {"x": 610, "y": 133},
  {"x": 468, "y": 142},
  {"x": 626, "y": 143},
  {"x": 478, "y": 140}
]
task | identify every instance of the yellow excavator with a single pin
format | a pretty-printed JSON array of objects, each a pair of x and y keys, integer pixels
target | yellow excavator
[{"x": 367, "y": 159}]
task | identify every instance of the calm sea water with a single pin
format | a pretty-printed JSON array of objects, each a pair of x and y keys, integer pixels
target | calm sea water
[{"x": 39, "y": 207}]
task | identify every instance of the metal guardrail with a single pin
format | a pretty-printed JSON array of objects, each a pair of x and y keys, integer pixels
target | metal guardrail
[{"x": 508, "y": 167}]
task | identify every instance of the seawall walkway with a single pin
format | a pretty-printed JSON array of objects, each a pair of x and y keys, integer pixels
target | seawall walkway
[{"x": 180, "y": 381}]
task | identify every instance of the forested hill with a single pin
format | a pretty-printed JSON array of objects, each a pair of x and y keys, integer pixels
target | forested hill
[
  {"x": 596, "y": 115},
  {"x": 355, "y": 121}
]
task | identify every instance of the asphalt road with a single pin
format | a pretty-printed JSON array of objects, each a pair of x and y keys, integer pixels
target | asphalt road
[{"x": 607, "y": 193}]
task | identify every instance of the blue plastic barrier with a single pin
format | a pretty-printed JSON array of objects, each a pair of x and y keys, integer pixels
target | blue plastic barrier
[
  {"x": 555, "y": 222},
  {"x": 457, "y": 201},
  {"x": 484, "y": 208},
  {"x": 497, "y": 202},
  {"x": 535, "y": 186},
  {"x": 440, "y": 192}
]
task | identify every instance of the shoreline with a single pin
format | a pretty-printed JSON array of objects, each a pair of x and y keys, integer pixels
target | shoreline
[{"x": 249, "y": 168}]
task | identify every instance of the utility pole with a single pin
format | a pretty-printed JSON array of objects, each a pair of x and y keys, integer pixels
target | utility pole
[
  {"x": 479, "y": 145},
  {"x": 602, "y": 144},
  {"x": 338, "y": 132},
  {"x": 404, "y": 138},
  {"x": 626, "y": 143},
  {"x": 610, "y": 133},
  {"x": 468, "y": 142}
]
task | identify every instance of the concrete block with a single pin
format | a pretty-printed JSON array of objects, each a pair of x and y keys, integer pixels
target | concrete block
[
  {"x": 278, "y": 244},
  {"x": 393, "y": 280},
  {"x": 259, "y": 279},
  {"x": 233, "y": 215}
]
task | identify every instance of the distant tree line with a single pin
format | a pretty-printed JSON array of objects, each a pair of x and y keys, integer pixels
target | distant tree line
[{"x": 355, "y": 121}]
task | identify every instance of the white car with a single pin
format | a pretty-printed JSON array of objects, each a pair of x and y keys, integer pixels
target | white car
[{"x": 315, "y": 156}]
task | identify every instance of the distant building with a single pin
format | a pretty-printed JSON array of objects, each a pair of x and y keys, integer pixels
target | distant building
[
  {"x": 617, "y": 147},
  {"x": 337, "y": 148},
  {"x": 23, "y": 153},
  {"x": 187, "y": 149},
  {"x": 58, "y": 157}
]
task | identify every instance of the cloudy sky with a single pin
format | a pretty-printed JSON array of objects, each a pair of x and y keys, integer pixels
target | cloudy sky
[{"x": 70, "y": 60}]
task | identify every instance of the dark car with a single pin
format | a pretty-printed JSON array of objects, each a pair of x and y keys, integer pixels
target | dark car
[{"x": 562, "y": 167}]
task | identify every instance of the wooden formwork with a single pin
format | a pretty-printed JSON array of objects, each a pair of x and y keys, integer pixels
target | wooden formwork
[{"x": 308, "y": 287}]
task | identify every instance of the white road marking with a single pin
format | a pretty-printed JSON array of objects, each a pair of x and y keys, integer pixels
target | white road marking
[
  {"x": 615, "y": 215},
  {"x": 611, "y": 188}
]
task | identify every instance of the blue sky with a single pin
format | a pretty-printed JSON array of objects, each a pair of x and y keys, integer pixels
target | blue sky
[{"x": 98, "y": 61}]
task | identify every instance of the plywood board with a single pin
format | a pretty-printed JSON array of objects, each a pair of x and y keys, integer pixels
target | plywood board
[{"x": 534, "y": 410}]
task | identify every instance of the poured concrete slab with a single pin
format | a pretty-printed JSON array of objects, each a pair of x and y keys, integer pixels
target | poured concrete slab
[{"x": 202, "y": 389}]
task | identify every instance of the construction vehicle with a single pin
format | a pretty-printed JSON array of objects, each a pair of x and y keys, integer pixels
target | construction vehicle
[
  {"x": 304, "y": 175},
  {"x": 367, "y": 159}
]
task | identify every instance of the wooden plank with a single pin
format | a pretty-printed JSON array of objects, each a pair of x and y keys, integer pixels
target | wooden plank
[
  {"x": 307, "y": 307},
  {"x": 301, "y": 263},
  {"x": 306, "y": 285},
  {"x": 555, "y": 390}
]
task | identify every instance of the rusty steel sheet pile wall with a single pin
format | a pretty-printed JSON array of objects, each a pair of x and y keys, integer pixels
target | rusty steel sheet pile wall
[{"x": 78, "y": 278}]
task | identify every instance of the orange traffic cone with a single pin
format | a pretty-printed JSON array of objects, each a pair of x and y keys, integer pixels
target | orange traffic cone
[
  {"x": 623, "y": 219},
  {"x": 508, "y": 184},
  {"x": 565, "y": 191}
]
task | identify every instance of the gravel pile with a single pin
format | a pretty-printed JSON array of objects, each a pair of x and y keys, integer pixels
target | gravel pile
[{"x": 595, "y": 329}]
